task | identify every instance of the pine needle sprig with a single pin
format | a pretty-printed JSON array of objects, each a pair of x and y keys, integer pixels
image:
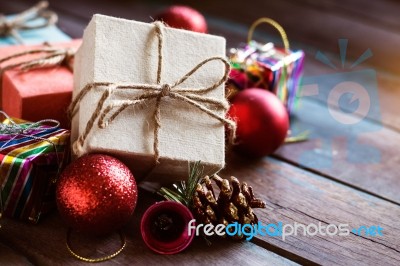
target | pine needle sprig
[{"x": 183, "y": 191}]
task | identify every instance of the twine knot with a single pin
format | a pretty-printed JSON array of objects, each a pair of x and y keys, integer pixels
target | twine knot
[
  {"x": 21, "y": 21},
  {"x": 158, "y": 26},
  {"x": 11, "y": 129},
  {"x": 5, "y": 27},
  {"x": 193, "y": 97},
  {"x": 165, "y": 90}
]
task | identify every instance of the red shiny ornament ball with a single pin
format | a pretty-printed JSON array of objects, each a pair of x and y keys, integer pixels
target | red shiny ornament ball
[
  {"x": 96, "y": 194},
  {"x": 183, "y": 17},
  {"x": 262, "y": 122}
]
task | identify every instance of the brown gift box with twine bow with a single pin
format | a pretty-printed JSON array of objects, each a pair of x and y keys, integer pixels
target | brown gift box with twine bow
[
  {"x": 151, "y": 96},
  {"x": 36, "y": 81}
]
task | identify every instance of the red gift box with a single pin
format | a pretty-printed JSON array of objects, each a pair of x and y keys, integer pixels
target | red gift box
[{"x": 42, "y": 92}]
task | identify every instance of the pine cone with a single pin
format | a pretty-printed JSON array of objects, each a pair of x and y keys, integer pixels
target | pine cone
[{"x": 235, "y": 202}]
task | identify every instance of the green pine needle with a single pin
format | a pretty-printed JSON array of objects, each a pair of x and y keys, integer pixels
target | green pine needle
[{"x": 183, "y": 191}]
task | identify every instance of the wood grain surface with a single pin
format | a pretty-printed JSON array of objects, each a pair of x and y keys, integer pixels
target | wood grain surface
[
  {"x": 44, "y": 244},
  {"x": 333, "y": 178},
  {"x": 295, "y": 195}
]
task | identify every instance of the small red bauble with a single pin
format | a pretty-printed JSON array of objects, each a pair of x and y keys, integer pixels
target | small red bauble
[
  {"x": 165, "y": 227},
  {"x": 96, "y": 194},
  {"x": 183, "y": 17},
  {"x": 262, "y": 122}
]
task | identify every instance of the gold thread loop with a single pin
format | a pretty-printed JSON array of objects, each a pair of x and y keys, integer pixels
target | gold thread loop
[
  {"x": 94, "y": 260},
  {"x": 274, "y": 24}
]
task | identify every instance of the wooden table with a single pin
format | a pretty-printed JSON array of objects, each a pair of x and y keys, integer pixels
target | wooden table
[{"x": 355, "y": 187}]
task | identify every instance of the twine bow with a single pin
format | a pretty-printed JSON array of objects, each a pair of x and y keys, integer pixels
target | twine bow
[
  {"x": 47, "y": 57},
  {"x": 10, "y": 27},
  {"x": 157, "y": 91}
]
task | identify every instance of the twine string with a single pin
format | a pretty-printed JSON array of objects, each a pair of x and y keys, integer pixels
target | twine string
[
  {"x": 155, "y": 92},
  {"x": 47, "y": 57},
  {"x": 21, "y": 21}
]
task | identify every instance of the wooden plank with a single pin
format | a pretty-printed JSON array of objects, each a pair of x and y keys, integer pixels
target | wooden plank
[
  {"x": 8, "y": 256},
  {"x": 386, "y": 88},
  {"x": 44, "y": 244},
  {"x": 364, "y": 156},
  {"x": 383, "y": 13},
  {"x": 294, "y": 195}
]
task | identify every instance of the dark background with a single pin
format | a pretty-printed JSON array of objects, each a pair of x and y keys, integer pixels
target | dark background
[{"x": 310, "y": 24}]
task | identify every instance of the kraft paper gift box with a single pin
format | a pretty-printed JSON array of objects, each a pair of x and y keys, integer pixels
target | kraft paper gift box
[
  {"x": 123, "y": 51},
  {"x": 39, "y": 93},
  {"x": 29, "y": 164}
]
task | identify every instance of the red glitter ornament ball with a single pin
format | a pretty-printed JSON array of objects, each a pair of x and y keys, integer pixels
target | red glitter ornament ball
[
  {"x": 183, "y": 17},
  {"x": 262, "y": 122},
  {"x": 96, "y": 194}
]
